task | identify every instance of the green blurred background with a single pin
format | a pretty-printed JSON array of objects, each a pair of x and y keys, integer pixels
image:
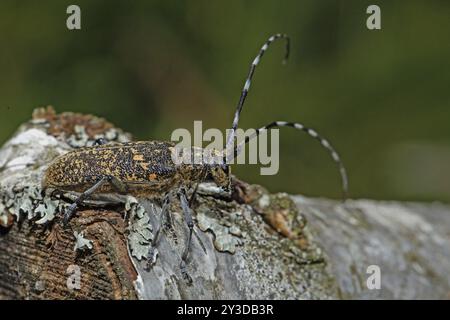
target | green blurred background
[{"x": 382, "y": 97}]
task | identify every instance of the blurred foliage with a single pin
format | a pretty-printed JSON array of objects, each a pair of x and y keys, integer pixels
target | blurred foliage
[{"x": 153, "y": 66}]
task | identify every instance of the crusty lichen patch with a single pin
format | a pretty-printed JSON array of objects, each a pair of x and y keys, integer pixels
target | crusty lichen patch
[
  {"x": 30, "y": 204},
  {"x": 282, "y": 214},
  {"x": 77, "y": 127},
  {"x": 271, "y": 262},
  {"x": 278, "y": 210},
  {"x": 140, "y": 230},
  {"x": 81, "y": 243},
  {"x": 226, "y": 238},
  {"x": 24, "y": 158},
  {"x": 22, "y": 163}
]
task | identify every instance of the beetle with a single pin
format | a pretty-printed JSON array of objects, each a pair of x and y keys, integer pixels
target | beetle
[{"x": 147, "y": 168}]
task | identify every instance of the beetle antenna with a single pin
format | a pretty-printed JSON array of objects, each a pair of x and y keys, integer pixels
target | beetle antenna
[
  {"x": 312, "y": 133},
  {"x": 246, "y": 88}
]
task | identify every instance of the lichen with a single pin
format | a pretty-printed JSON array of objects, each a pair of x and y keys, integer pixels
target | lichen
[
  {"x": 39, "y": 286},
  {"x": 269, "y": 261},
  {"x": 80, "y": 138},
  {"x": 140, "y": 230},
  {"x": 30, "y": 204},
  {"x": 281, "y": 213},
  {"x": 225, "y": 238},
  {"x": 81, "y": 243},
  {"x": 36, "y": 144},
  {"x": 24, "y": 157}
]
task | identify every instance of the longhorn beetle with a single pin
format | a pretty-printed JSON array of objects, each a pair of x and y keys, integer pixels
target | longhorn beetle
[{"x": 147, "y": 169}]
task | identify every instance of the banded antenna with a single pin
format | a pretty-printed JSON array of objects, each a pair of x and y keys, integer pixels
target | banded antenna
[
  {"x": 232, "y": 153},
  {"x": 247, "y": 84},
  {"x": 312, "y": 133}
]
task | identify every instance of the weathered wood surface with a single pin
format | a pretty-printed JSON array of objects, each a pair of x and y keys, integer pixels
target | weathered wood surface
[
  {"x": 410, "y": 242},
  {"x": 256, "y": 246}
]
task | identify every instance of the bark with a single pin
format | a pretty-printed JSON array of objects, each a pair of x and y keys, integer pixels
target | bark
[{"x": 257, "y": 245}]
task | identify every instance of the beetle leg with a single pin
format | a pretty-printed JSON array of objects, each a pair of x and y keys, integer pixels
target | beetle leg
[
  {"x": 190, "y": 223},
  {"x": 118, "y": 185},
  {"x": 73, "y": 207},
  {"x": 194, "y": 193},
  {"x": 153, "y": 252}
]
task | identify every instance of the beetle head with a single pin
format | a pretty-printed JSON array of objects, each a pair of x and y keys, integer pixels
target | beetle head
[{"x": 221, "y": 175}]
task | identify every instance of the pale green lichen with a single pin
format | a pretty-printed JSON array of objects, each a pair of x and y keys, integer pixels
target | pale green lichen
[
  {"x": 225, "y": 238},
  {"x": 22, "y": 165},
  {"x": 265, "y": 263},
  {"x": 81, "y": 243},
  {"x": 80, "y": 138},
  {"x": 28, "y": 202},
  {"x": 48, "y": 209},
  {"x": 140, "y": 230}
]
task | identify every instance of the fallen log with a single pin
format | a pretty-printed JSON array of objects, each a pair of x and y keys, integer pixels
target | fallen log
[{"x": 256, "y": 245}]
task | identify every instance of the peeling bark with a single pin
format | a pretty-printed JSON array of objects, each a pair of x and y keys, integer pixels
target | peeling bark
[{"x": 256, "y": 246}]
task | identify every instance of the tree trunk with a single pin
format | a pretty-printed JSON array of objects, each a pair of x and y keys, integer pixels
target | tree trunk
[{"x": 255, "y": 246}]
